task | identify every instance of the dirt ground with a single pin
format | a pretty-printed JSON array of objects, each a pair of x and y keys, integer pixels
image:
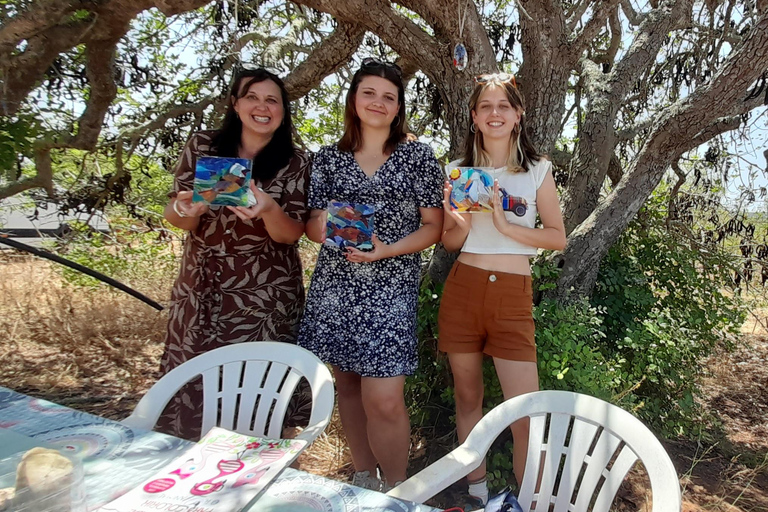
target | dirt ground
[{"x": 98, "y": 351}]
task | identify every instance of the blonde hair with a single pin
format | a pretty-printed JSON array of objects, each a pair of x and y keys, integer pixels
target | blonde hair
[{"x": 521, "y": 150}]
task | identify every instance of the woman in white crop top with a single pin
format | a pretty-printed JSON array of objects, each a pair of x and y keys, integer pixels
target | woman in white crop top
[{"x": 486, "y": 306}]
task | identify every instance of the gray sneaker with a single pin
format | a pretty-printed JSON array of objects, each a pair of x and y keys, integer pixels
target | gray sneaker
[
  {"x": 366, "y": 481},
  {"x": 385, "y": 487}
]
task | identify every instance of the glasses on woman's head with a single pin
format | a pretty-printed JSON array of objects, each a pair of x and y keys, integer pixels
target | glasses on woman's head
[
  {"x": 250, "y": 69},
  {"x": 502, "y": 78},
  {"x": 372, "y": 62}
]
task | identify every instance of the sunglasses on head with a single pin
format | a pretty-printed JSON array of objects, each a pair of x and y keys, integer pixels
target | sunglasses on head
[
  {"x": 247, "y": 66},
  {"x": 372, "y": 62},
  {"x": 496, "y": 77}
]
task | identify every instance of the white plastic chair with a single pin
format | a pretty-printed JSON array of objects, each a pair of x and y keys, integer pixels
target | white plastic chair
[
  {"x": 250, "y": 384},
  {"x": 595, "y": 442}
]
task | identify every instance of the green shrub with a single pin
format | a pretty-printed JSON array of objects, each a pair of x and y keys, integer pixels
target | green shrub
[{"x": 665, "y": 308}]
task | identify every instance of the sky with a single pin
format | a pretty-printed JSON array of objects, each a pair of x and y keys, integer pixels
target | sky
[{"x": 747, "y": 151}]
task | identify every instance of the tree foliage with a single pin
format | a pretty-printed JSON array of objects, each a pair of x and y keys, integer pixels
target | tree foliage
[{"x": 620, "y": 93}]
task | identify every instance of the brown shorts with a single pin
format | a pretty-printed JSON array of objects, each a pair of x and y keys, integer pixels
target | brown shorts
[{"x": 489, "y": 312}]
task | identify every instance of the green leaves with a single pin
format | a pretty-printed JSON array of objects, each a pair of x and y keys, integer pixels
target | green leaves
[
  {"x": 17, "y": 138},
  {"x": 666, "y": 307}
]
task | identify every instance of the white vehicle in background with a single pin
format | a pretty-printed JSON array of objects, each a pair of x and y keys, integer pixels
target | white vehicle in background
[
  {"x": 25, "y": 227},
  {"x": 19, "y": 222}
]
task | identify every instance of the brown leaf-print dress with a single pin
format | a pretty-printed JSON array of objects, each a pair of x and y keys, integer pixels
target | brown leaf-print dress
[{"x": 236, "y": 284}]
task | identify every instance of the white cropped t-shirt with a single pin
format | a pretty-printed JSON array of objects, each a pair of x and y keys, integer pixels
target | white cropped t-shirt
[{"x": 483, "y": 237}]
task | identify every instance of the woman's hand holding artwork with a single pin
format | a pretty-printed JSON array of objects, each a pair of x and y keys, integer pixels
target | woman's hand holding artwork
[
  {"x": 184, "y": 207},
  {"x": 380, "y": 251},
  {"x": 499, "y": 219},
  {"x": 264, "y": 204},
  {"x": 462, "y": 220}
]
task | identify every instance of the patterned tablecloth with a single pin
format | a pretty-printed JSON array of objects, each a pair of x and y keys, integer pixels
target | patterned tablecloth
[{"x": 117, "y": 458}]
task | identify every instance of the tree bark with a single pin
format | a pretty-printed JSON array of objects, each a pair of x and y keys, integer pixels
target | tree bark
[
  {"x": 606, "y": 93},
  {"x": 681, "y": 127}
]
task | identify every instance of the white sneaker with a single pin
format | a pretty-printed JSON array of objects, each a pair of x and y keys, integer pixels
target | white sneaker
[{"x": 366, "y": 481}]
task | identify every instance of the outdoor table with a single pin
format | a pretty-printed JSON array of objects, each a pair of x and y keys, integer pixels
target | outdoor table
[{"x": 117, "y": 458}]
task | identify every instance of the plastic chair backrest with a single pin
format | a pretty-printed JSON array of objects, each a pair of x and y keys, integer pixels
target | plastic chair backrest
[
  {"x": 246, "y": 388},
  {"x": 581, "y": 446}
]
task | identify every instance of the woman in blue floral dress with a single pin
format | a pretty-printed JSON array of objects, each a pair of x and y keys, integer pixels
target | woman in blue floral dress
[{"x": 361, "y": 309}]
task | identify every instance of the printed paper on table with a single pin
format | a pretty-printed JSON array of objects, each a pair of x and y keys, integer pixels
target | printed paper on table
[{"x": 224, "y": 471}]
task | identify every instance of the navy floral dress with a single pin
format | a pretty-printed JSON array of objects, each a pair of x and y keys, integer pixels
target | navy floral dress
[{"x": 361, "y": 317}]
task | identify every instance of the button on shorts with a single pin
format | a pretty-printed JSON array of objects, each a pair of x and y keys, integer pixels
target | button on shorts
[{"x": 487, "y": 311}]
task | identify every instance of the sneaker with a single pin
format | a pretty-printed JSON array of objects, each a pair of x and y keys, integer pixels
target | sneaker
[
  {"x": 366, "y": 481},
  {"x": 385, "y": 487}
]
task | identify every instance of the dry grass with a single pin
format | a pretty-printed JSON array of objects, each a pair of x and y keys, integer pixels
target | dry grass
[
  {"x": 95, "y": 346},
  {"x": 328, "y": 455}
]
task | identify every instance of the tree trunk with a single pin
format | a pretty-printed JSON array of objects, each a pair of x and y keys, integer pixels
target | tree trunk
[{"x": 683, "y": 126}]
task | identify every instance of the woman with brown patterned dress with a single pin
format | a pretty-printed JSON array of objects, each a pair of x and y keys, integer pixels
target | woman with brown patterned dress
[{"x": 241, "y": 278}]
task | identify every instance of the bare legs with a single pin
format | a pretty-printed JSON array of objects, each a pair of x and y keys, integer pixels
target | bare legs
[
  {"x": 468, "y": 391},
  {"x": 515, "y": 377},
  {"x": 389, "y": 428},
  {"x": 375, "y": 421},
  {"x": 354, "y": 419}
]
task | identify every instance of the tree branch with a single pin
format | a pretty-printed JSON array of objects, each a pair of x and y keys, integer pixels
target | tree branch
[
  {"x": 400, "y": 33},
  {"x": 49, "y": 31},
  {"x": 441, "y": 16},
  {"x": 615, "y": 172},
  {"x": 699, "y": 114},
  {"x": 330, "y": 55},
  {"x": 20, "y": 73},
  {"x": 171, "y": 7},
  {"x": 21, "y": 185},
  {"x": 632, "y": 15},
  {"x": 409, "y": 68},
  {"x": 632, "y": 132},
  {"x": 40, "y": 16},
  {"x": 646, "y": 45},
  {"x": 159, "y": 121},
  {"x": 103, "y": 90},
  {"x": 720, "y": 126},
  {"x": 546, "y": 69},
  {"x": 615, "y": 25},
  {"x": 575, "y": 14},
  {"x": 726, "y": 90},
  {"x": 591, "y": 29},
  {"x": 100, "y": 72},
  {"x": 671, "y": 210}
]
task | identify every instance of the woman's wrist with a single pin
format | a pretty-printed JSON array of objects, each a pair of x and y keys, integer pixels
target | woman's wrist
[
  {"x": 387, "y": 251},
  {"x": 508, "y": 229}
]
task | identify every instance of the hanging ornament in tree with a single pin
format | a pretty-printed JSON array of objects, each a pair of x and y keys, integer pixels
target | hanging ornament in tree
[{"x": 460, "y": 57}]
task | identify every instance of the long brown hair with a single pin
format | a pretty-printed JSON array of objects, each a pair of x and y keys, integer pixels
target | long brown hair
[
  {"x": 352, "y": 139},
  {"x": 280, "y": 148},
  {"x": 520, "y": 141}
]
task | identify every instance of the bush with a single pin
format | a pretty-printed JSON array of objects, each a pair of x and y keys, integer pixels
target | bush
[{"x": 665, "y": 307}]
